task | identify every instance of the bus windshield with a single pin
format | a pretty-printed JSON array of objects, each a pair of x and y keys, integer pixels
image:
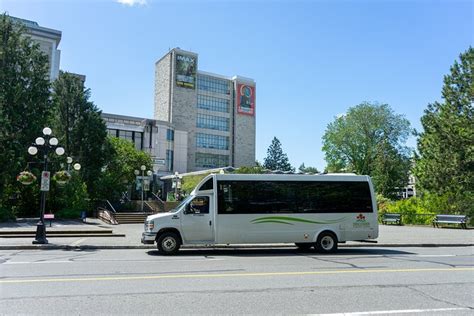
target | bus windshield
[{"x": 183, "y": 202}]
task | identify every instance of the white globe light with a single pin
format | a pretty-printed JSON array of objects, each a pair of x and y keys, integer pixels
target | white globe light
[
  {"x": 47, "y": 131},
  {"x": 59, "y": 151},
  {"x": 32, "y": 150},
  {"x": 39, "y": 141},
  {"x": 136, "y": 172},
  {"x": 53, "y": 141},
  {"x": 143, "y": 167},
  {"x": 77, "y": 166},
  {"x": 69, "y": 160},
  {"x": 149, "y": 172}
]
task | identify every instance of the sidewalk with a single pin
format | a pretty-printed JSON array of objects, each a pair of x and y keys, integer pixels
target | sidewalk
[{"x": 127, "y": 236}]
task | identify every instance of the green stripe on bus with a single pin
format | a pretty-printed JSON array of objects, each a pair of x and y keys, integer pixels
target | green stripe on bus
[{"x": 286, "y": 219}]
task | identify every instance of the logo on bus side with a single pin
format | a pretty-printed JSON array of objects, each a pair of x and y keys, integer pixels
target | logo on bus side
[{"x": 360, "y": 222}]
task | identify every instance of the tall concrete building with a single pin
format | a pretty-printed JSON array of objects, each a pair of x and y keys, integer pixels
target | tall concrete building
[
  {"x": 216, "y": 111},
  {"x": 48, "y": 40}
]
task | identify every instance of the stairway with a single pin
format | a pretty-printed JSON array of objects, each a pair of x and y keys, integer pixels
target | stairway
[{"x": 131, "y": 217}]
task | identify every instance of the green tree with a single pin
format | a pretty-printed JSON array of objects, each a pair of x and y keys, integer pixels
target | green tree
[
  {"x": 305, "y": 169},
  {"x": 370, "y": 140},
  {"x": 79, "y": 126},
  {"x": 276, "y": 159},
  {"x": 24, "y": 102},
  {"x": 445, "y": 164},
  {"x": 118, "y": 172}
]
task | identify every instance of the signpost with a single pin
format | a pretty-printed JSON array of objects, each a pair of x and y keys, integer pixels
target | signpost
[{"x": 45, "y": 181}]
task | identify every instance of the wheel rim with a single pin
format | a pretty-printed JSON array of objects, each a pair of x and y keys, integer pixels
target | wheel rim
[
  {"x": 327, "y": 243},
  {"x": 169, "y": 244}
]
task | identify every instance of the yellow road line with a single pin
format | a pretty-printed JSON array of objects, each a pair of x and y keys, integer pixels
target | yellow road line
[{"x": 234, "y": 275}]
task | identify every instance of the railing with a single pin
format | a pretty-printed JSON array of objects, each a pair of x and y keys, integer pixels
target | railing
[
  {"x": 112, "y": 208},
  {"x": 106, "y": 212}
]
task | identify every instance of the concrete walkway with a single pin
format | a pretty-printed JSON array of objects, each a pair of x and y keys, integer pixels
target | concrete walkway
[{"x": 389, "y": 236}]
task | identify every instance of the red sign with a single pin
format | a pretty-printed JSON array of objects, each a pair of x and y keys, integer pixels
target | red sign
[{"x": 245, "y": 99}]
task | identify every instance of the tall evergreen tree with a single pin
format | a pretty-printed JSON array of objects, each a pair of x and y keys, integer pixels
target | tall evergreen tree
[
  {"x": 446, "y": 146},
  {"x": 276, "y": 159},
  {"x": 24, "y": 98},
  {"x": 80, "y": 127},
  {"x": 305, "y": 169}
]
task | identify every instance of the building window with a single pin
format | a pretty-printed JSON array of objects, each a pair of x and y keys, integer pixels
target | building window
[
  {"x": 169, "y": 135},
  {"x": 134, "y": 137},
  {"x": 169, "y": 159},
  {"x": 211, "y": 160},
  {"x": 212, "y": 84},
  {"x": 212, "y": 122},
  {"x": 213, "y": 104},
  {"x": 138, "y": 140},
  {"x": 212, "y": 141},
  {"x": 112, "y": 132}
]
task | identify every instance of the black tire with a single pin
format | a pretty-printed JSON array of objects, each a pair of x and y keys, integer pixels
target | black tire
[
  {"x": 326, "y": 243},
  {"x": 304, "y": 246},
  {"x": 168, "y": 243}
]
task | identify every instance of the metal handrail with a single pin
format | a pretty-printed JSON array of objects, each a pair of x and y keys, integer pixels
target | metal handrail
[
  {"x": 111, "y": 206},
  {"x": 157, "y": 197}
]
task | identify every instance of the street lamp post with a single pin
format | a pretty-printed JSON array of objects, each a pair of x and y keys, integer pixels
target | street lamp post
[
  {"x": 46, "y": 144},
  {"x": 76, "y": 166},
  {"x": 149, "y": 173},
  {"x": 176, "y": 179}
]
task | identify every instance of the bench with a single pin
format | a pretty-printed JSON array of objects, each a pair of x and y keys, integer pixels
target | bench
[
  {"x": 392, "y": 218},
  {"x": 450, "y": 219},
  {"x": 50, "y": 217}
]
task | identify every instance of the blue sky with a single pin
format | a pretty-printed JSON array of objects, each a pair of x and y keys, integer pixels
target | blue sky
[{"x": 312, "y": 60}]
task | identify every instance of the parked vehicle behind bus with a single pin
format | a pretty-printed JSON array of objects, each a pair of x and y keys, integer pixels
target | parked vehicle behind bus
[{"x": 308, "y": 210}]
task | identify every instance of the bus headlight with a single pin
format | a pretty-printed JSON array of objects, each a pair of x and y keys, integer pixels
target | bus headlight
[{"x": 149, "y": 226}]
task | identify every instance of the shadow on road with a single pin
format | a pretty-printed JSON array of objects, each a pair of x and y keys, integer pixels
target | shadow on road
[{"x": 270, "y": 252}]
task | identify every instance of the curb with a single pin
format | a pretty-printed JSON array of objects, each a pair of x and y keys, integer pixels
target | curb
[{"x": 91, "y": 247}]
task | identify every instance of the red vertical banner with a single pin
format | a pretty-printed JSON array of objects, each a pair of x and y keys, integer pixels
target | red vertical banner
[{"x": 245, "y": 99}]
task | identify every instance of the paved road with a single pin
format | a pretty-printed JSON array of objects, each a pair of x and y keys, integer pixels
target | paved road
[
  {"x": 269, "y": 281},
  {"x": 390, "y": 235}
]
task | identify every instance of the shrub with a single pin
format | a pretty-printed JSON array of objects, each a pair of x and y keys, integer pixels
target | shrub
[
  {"x": 68, "y": 214},
  {"x": 6, "y": 214}
]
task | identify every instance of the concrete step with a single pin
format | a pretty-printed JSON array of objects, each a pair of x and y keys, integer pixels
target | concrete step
[
  {"x": 48, "y": 235},
  {"x": 51, "y": 231},
  {"x": 131, "y": 218}
]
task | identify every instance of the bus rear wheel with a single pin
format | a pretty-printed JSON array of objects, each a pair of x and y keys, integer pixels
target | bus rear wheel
[
  {"x": 326, "y": 243},
  {"x": 168, "y": 243}
]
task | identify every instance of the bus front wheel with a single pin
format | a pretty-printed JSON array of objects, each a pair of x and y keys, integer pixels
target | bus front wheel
[
  {"x": 326, "y": 243},
  {"x": 168, "y": 243}
]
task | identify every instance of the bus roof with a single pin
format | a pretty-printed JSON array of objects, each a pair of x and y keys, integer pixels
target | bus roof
[{"x": 291, "y": 177}]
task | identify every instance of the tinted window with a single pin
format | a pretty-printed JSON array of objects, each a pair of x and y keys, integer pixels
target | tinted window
[
  {"x": 199, "y": 205},
  {"x": 208, "y": 185},
  {"x": 248, "y": 197}
]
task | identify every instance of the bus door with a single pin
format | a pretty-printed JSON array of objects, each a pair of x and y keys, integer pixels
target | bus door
[{"x": 197, "y": 222}]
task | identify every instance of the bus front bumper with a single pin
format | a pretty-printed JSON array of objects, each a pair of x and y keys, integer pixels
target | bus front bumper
[{"x": 148, "y": 238}]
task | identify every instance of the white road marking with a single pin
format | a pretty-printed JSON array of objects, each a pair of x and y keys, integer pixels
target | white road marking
[
  {"x": 35, "y": 262},
  {"x": 77, "y": 242},
  {"x": 403, "y": 311},
  {"x": 83, "y": 261}
]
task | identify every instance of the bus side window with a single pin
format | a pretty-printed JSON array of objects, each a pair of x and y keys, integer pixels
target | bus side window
[{"x": 199, "y": 205}]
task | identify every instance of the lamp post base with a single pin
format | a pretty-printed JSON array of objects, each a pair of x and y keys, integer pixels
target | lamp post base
[{"x": 40, "y": 234}]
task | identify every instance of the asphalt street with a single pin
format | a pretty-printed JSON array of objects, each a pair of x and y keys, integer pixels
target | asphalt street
[{"x": 361, "y": 281}]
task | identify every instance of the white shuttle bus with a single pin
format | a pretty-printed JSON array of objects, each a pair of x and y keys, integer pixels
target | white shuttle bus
[{"x": 307, "y": 210}]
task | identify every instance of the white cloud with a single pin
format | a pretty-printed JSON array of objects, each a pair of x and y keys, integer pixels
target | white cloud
[{"x": 132, "y": 2}]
